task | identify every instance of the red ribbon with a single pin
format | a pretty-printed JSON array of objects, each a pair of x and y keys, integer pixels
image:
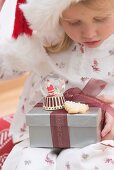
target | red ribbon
[
  {"x": 59, "y": 129},
  {"x": 58, "y": 118}
]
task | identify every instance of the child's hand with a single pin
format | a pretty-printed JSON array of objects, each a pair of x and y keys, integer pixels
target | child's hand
[{"x": 108, "y": 131}]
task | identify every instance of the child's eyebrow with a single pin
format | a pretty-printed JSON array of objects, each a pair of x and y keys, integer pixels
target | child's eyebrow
[
  {"x": 104, "y": 15},
  {"x": 98, "y": 16}
]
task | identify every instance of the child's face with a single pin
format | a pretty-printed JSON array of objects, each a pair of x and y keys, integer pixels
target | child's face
[{"x": 87, "y": 25}]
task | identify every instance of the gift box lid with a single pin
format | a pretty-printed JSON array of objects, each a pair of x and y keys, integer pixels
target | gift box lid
[{"x": 39, "y": 117}]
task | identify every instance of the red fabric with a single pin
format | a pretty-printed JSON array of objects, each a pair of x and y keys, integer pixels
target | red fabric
[
  {"x": 20, "y": 25},
  {"x": 6, "y": 143}
]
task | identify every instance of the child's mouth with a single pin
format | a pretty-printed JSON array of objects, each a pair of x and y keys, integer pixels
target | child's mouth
[{"x": 92, "y": 43}]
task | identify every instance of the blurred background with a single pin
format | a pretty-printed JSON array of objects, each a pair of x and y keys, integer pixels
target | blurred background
[
  {"x": 1, "y": 3},
  {"x": 10, "y": 90}
]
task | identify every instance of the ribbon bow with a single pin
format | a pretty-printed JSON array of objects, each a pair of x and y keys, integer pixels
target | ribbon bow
[{"x": 88, "y": 95}]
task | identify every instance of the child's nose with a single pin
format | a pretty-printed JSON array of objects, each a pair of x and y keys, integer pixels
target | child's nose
[{"x": 89, "y": 32}]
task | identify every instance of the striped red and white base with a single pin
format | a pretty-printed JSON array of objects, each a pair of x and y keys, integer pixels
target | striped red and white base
[{"x": 53, "y": 102}]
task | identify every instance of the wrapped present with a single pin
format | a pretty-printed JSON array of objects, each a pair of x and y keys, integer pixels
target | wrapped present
[
  {"x": 61, "y": 130},
  {"x": 52, "y": 126}
]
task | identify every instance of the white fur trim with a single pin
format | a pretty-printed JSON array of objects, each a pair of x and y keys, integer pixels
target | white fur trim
[
  {"x": 43, "y": 16},
  {"x": 23, "y": 54}
]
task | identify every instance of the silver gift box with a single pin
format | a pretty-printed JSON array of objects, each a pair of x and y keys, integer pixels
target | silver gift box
[{"x": 83, "y": 129}]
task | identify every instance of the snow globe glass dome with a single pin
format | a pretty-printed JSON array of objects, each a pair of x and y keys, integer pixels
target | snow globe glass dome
[{"x": 52, "y": 88}]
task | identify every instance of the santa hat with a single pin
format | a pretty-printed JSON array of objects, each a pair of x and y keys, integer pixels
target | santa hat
[
  {"x": 41, "y": 16},
  {"x": 20, "y": 24},
  {"x": 12, "y": 20}
]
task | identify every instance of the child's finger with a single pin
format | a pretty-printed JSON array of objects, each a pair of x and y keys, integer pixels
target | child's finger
[
  {"x": 109, "y": 136},
  {"x": 106, "y": 130},
  {"x": 108, "y": 99}
]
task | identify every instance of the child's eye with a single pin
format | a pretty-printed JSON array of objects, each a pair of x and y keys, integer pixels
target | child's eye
[
  {"x": 100, "y": 19},
  {"x": 76, "y": 23}
]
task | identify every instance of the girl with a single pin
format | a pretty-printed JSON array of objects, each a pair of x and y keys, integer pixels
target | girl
[{"x": 72, "y": 38}]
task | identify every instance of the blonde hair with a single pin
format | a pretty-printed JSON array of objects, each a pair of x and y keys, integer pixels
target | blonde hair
[
  {"x": 66, "y": 42},
  {"x": 62, "y": 46}
]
